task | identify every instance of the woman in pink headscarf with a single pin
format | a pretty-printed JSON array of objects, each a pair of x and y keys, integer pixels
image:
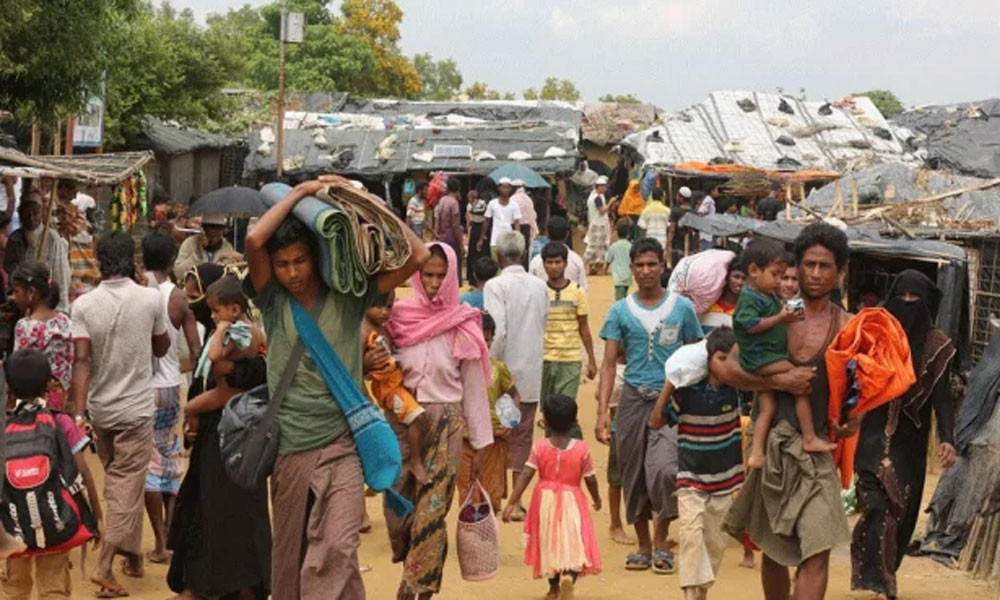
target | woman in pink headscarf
[{"x": 446, "y": 365}]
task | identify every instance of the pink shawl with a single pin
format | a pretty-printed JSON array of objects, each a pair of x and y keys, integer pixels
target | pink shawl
[
  {"x": 527, "y": 206},
  {"x": 418, "y": 319}
]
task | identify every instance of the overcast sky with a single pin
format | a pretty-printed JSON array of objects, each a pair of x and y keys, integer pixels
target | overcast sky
[{"x": 673, "y": 52}]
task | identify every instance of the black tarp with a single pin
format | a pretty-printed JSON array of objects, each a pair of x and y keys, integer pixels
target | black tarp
[
  {"x": 964, "y": 137},
  {"x": 489, "y": 110}
]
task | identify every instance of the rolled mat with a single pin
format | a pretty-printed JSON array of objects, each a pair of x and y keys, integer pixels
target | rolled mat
[{"x": 357, "y": 238}]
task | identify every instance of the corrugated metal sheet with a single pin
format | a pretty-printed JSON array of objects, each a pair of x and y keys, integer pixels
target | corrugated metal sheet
[{"x": 166, "y": 138}]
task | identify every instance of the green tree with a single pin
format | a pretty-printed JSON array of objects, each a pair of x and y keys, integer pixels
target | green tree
[
  {"x": 170, "y": 69},
  {"x": 53, "y": 55},
  {"x": 620, "y": 99},
  {"x": 442, "y": 79},
  {"x": 886, "y": 101},
  {"x": 559, "y": 89},
  {"x": 530, "y": 94},
  {"x": 480, "y": 91}
]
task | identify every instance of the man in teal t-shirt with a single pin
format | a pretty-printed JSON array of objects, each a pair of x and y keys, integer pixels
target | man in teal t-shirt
[
  {"x": 621, "y": 264},
  {"x": 647, "y": 327},
  {"x": 317, "y": 487}
]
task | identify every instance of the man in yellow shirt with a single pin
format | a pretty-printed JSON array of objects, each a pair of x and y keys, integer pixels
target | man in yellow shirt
[{"x": 567, "y": 333}]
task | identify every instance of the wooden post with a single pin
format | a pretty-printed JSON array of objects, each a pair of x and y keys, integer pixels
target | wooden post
[
  {"x": 839, "y": 197},
  {"x": 788, "y": 201},
  {"x": 854, "y": 195},
  {"x": 70, "y": 126},
  {"x": 47, "y": 218},
  {"x": 279, "y": 153},
  {"x": 802, "y": 195},
  {"x": 56, "y": 136}
]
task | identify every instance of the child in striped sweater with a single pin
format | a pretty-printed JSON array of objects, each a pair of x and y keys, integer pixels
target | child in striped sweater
[{"x": 710, "y": 463}]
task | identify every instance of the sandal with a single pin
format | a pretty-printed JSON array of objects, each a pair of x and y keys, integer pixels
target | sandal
[
  {"x": 637, "y": 562},
  {"x": 109, "y": 587},
  {"x": 663, "y": 562}
]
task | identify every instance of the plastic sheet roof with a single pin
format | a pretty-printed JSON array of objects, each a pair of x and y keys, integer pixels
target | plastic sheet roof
[
  {"x": 169, "y": 138},
  {"x": 865, "y": 240},
  {"x": 846, "y": 139},
  {"x": 964, "y": 137}
]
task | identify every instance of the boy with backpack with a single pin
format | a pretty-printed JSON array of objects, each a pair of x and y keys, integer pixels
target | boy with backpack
[{"x": 45, "y": 508}]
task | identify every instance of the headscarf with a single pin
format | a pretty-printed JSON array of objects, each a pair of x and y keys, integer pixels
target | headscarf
[
  {"x": 917, "y": 317},
  {"x": 632, "y": 202},
  {"x": 204, "y": 275},
  {"x": 418, "y": 319},
  {"x": 527, "y": 206}
]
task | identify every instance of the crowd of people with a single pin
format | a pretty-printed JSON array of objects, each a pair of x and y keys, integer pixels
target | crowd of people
[{"x": 482, "y": 391}]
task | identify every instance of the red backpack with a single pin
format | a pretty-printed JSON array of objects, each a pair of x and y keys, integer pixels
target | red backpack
[{"x": 42, "y": 500}]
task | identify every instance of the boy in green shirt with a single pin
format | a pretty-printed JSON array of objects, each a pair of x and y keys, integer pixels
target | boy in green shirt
[{"x": 618, "y": 257}]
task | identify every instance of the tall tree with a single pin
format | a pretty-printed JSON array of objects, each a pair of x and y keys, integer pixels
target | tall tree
[
  {"x": 442, "y": 79},
  {"x": 377, "y": 23},
  {"x": 480, "y": 91},
  {"x": 886, "y": 101},
  {"x": 53, "y": 55}
]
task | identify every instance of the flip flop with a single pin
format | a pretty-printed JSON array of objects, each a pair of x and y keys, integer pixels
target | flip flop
[
  {"x": 109, "y": 589},
  {"x": 127, "y": 570},
  {"x": 637, "y": 562},
  {"x": 663, "y": 562},
  {"x": 161, "y": 560}
]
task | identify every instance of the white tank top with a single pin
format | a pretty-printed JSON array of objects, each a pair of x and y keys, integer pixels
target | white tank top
[{"x": 166, "y": 370}]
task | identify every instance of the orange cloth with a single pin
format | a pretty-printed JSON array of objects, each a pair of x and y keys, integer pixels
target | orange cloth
[
  {"x": 385, "y": 387},
  {"x": 632, "y": 203},
  {"x": 884, "y": 373}
]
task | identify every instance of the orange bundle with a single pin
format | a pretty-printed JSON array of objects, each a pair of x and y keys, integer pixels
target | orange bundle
[{"x": 876, "y": 340}]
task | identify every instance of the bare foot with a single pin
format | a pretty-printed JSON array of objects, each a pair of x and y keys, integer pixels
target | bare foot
[
  {"x": 10, "y": 545},
  {"x": 132, "y": 566},
  {"x": 566, "y": 588},
  {"x": 366, "y": 523},
  {"x": 756, "y": 461},
  {"x": 816, "y": 444},
  {"x": 748, "y": 561},
  {"x": 419, "y": 473},
  {"x": 518, "y": 515},
  {"x": 160, "y": 557},
  {"x": 110, "y": 588},
  {"x": 553, "y": 594},
  {"x": 619, "y": 536}
]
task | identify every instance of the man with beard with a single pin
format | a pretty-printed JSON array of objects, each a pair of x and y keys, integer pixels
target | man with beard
[
  {"x": 891, "y": 459},
  {"x": 208, "y": 247},
  {"x": 26, "y": 244},
  {"x": 791, "y": 509}
]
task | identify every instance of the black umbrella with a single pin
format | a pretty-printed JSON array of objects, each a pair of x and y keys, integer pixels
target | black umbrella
[{"x": 230, "y": 201}]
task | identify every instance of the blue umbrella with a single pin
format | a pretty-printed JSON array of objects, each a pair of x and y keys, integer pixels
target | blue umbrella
[{"x": 516, "y": 171}]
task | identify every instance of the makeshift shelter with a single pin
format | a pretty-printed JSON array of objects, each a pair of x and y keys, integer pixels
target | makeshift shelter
[
  {"x": 606, "y": 124},
  {"x": 190, "y": 162},
  {"x": 92, "y": 169},
  {"x": 962, "y": 137}
]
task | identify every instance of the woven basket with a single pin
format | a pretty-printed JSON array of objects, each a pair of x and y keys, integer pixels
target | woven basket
[{"x": 478, "y": 543}]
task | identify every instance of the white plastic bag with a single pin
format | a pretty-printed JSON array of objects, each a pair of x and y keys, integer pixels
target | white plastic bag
[
  {"x": 688, "y": 365},
  {"x": 508, "y": 412}
]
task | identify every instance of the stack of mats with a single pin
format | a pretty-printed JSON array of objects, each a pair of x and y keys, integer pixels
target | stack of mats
[{"x": 358, "y": 238}]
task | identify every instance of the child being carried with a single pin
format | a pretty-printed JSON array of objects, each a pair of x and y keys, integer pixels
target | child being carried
[{"x": 759, "y": 325}]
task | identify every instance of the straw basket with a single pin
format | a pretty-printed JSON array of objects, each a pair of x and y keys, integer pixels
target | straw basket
[{"x": 478, "y": 542}]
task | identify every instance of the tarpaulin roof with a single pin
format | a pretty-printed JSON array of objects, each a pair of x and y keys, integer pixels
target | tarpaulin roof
[
  {"x": 964, "y": 137},
  {"x": 910, "y": 184},
  {"x": 771, "y": 131},
  {"x": 170, "y": 138},
  {"x": 101, "y": 169},
  {"x": 357, "y": 151},
  {"x": 865, "y": 240},
  {"x": 606, "y": 123},
  {"x": 550, "y": 111}
]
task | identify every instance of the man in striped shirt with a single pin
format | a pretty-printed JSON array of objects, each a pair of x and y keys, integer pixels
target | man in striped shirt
[{"x": 710, "y": 464}]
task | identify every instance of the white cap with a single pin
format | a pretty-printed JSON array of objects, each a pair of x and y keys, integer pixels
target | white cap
[
  {"x": 217, "y": 219},
  {"x": 517, "y": 183},
  {"x": 602, "y": 180},
  {"x": 685, "y": 192},
  {"x": 504, "y": 181}
]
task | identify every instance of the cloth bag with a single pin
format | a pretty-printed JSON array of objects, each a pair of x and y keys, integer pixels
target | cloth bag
[
  {"x": 248, "y": 430},
  {"x": 477, "y": 537}
]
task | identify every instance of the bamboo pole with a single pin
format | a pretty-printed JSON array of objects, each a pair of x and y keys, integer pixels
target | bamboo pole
[
  {"x": 56, "y": 137},
  {"x": 48, "y": 217},
  {"x": 36, "y": 139},
  {"x": 840, "y": 197},
  {"x": 854, "y": 195},
  {"x": 788, "y": 201},
  {"x": 802, "y": 195}
]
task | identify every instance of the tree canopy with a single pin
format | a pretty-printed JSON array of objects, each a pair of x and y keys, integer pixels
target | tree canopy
[
  {"x": 553, "y": 89},
  {"x": 886, "y": 101},
  {"x": 620, "y": 99},
  {"x": 442, "y": 79}
]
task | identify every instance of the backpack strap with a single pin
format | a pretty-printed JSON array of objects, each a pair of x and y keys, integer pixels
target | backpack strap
[{"x": 274, "y": 402}]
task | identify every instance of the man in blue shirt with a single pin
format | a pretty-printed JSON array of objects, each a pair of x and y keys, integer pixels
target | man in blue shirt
[{"x": 647, "y": 327}]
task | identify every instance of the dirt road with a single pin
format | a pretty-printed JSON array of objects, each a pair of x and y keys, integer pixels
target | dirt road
[{"x": 919, "y": 579}]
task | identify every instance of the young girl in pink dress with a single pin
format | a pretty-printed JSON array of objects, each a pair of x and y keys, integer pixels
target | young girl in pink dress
[{"x": 559, "y": 529}]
